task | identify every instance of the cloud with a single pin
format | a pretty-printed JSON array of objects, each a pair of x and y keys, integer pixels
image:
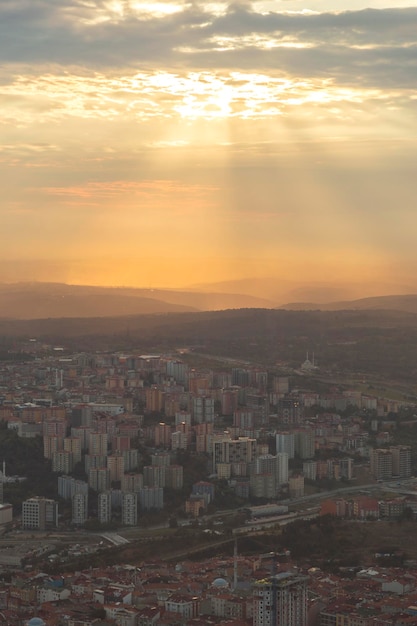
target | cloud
[
  {"x": 170, "y": 196},
  {"x": 367, "y": 47}
]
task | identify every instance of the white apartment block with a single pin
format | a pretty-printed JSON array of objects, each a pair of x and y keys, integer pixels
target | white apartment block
[
  {"x": 130, "y": 509},
  {"x": 104, "y": 507},
  {"x": 39, "y": 513},
  {"x": 79, "y": 509}
]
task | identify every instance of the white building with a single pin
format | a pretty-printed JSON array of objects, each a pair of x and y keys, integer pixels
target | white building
[
  {"x": 186, "y": 606},
  {"x": 282, "y": 468},
  {"x": 79, "y": 508},
  {"x": 39, "y": 513},
  {"x": 130, "y": 509},
  {"x": 104, "y": 507}
]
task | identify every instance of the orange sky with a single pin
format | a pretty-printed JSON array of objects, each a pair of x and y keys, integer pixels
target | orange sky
[{"x": 169, "y": 143}]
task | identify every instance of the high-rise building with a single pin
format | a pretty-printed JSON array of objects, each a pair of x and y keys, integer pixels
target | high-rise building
[
  {"x": 179, "y": 440},
  {"x": 154, "y": 475},
  {"x": 98, "y": 443},
  {"x": 285, "y": 442},
  {"x": 280, "y": 384},
  {"x": 263, "y": 485},
  {"x": 346, "y": 468},
  {"x": 280, "y": 600},
  {"x": 199, "y": 382},
  {"x": 229, "y": 401},
  {"x": 161, "y": 458},
  {"x": 228, "y": 450},
  {"x": 282, "y": 468},
  {"x": 290, "y": 410},
  {"x": 131, "y": 459},
  {"x": 240, "y": 377},
  {"x": 73, "y": 445},
  {"x": 67, "y": 486},
  {"x": 99, "y": 479},
  {"x": 178, "y": 370},
  {"x": 79, "y": 508},
  {"x": 151, "y": 498},
  {"x": 182, "y": 417},
  {"x": 116, "y": 465},
  {"x": 296, "y": 486},
  {"x": 120, "y": 442},
  {"x": 259, "y": 405},
  {"x": 401, "y": 461},
  {"x": 93, "y": 461},
  {"x": 174, "y": 476},
  {"x": 242, "y": 418},
  {"x": 130, "y": 509},
  {"x": 154, "y": 399},
  {"x": 381, "y": 463},
  {"x": 266, "y": 464},
  {"x": 104, "y": 507},
  {"x": 163, "y": 435},
  {"x": 83, "y": 433},
  {"x": 39, "y": 513},
  {"x": 54, "y": 428},
  {"x": 310, "y": 469},
  {"x": 203, "y": 437},
  {"x": 51, "y": 444},
  {"x": 132, "y": 482},
  {"x": 62, "y": 462},
  {"x": 305, "y": 443},
  {"x": 268, "y": 474},
  {"x": 203, "y": 409}
]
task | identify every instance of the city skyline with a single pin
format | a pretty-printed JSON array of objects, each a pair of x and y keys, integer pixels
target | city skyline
[{"x": 164, "y": 144}]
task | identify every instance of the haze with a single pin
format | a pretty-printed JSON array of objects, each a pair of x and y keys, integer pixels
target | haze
[{"x": 167, "y": 144}]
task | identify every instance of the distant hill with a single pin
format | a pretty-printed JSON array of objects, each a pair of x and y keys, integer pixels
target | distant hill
[
  {"x": 406, "y": 304},
  {"x": 219, "y": 326},
  {"x": 56, "y": 300},
  {"x": 281, "y": 291}
]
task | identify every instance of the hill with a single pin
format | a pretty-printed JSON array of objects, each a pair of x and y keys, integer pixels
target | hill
[
  {"x": 284, "y": 290},
  {"x": 404, "y": 303},
  {"x": 56, "y": 300}
]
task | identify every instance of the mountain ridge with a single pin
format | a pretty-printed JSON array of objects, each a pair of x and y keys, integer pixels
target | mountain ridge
[
  {"x": 406, "y": 303},
  {"x": 59, "y": 300}
]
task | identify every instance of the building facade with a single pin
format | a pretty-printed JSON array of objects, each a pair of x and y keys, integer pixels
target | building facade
[{"x": 280, "y": 600}]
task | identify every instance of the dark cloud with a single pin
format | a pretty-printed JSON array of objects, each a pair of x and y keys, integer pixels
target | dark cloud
[{"x": 369, "y": 47}]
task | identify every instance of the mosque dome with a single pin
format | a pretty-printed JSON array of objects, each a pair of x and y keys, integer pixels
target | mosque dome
[
  {"x": 36, "y": 621},
  {"x": 220, "y": 582}
]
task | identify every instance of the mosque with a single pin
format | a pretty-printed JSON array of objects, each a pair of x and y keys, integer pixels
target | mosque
[{"x": 35, "y": 621}]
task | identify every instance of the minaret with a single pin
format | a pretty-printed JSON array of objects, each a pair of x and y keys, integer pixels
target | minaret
[
  {"x": 3, "y": 478},
  {"x": 235, "y": 566}
]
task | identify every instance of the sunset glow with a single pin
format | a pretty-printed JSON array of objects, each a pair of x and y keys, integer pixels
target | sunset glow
[{"x": 172, "y": 143}]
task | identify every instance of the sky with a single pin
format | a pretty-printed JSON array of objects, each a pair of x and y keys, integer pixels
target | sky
[{"x": 164, "y": 144}]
